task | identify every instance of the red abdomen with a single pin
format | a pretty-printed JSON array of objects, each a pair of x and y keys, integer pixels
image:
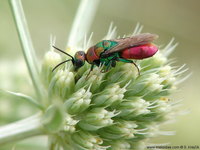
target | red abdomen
[{"x": 139, "y": 52}]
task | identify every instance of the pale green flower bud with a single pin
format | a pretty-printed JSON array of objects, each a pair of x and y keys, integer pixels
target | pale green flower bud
[
  {"x": 120, "y": 130},
  {"x": 133, "y": 107},
  {"x": 62, "y": 83},
  {"x": 78, "y": 102},
  {"x": 69, "y": 124},
  {"x": 122, "y": 74},
  {"x": 85, "y": 140},
  {"x": 96, "y": 118},
  {"x": 166, "y": 73},
  {"x": 94, "y": 80},
  {"x": 145, "y": 84},
  {"x": 111, "y": 95},
  {"x": 156, "y": 61},
  {"x": 51, "y": 59},
  {"x": 161, "y": 109}
]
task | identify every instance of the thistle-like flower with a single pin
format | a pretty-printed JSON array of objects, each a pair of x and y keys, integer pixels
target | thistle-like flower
[{"x": 115, "y": 110}]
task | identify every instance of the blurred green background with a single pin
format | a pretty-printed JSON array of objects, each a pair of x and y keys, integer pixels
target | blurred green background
[{"x": 167, "y": 18}]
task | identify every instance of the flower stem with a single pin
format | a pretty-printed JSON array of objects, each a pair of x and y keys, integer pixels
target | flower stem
[
  {"x": 82, "y": 22},
  {"x": 21, "y": 129},
  {"x": 26, "y": 43}
]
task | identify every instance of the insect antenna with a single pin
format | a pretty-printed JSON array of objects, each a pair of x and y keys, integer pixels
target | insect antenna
[
  {"x": 61, "y": 64},
  {"x": 64, "y": 53}
]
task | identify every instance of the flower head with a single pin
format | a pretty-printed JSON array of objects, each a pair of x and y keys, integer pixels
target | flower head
[{"x": 115, "y": 109}]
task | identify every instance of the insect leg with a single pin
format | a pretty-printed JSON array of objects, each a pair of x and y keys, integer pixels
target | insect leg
[
  {"x": 91, "y": 68},
  {"x": 108, "y": 65},
  {"x": 113, "y": 63},
  {"x": 129, "y": 61}
]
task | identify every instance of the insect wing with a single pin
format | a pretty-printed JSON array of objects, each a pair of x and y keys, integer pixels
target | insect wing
[{"x": 124, "y": 43}]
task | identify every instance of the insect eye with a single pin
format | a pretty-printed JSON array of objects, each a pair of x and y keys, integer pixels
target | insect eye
[{"x": 82, "y": 54}]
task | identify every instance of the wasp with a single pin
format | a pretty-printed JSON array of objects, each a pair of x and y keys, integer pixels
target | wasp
[{"x": 108, "y": 52}]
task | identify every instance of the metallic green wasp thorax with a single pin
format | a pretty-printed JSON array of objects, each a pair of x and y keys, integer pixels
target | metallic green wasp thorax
[
  {"x": 106, "y": 44},
  {"x": 94, "y": 53},
  {"x": 103, "y": 46}
]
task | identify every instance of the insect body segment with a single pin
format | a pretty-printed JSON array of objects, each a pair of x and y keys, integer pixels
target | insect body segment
[
  {"x": 139, "y": 52},
  {"x": 94, "y": 52},
  {"x": 107, "y": 52}
]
